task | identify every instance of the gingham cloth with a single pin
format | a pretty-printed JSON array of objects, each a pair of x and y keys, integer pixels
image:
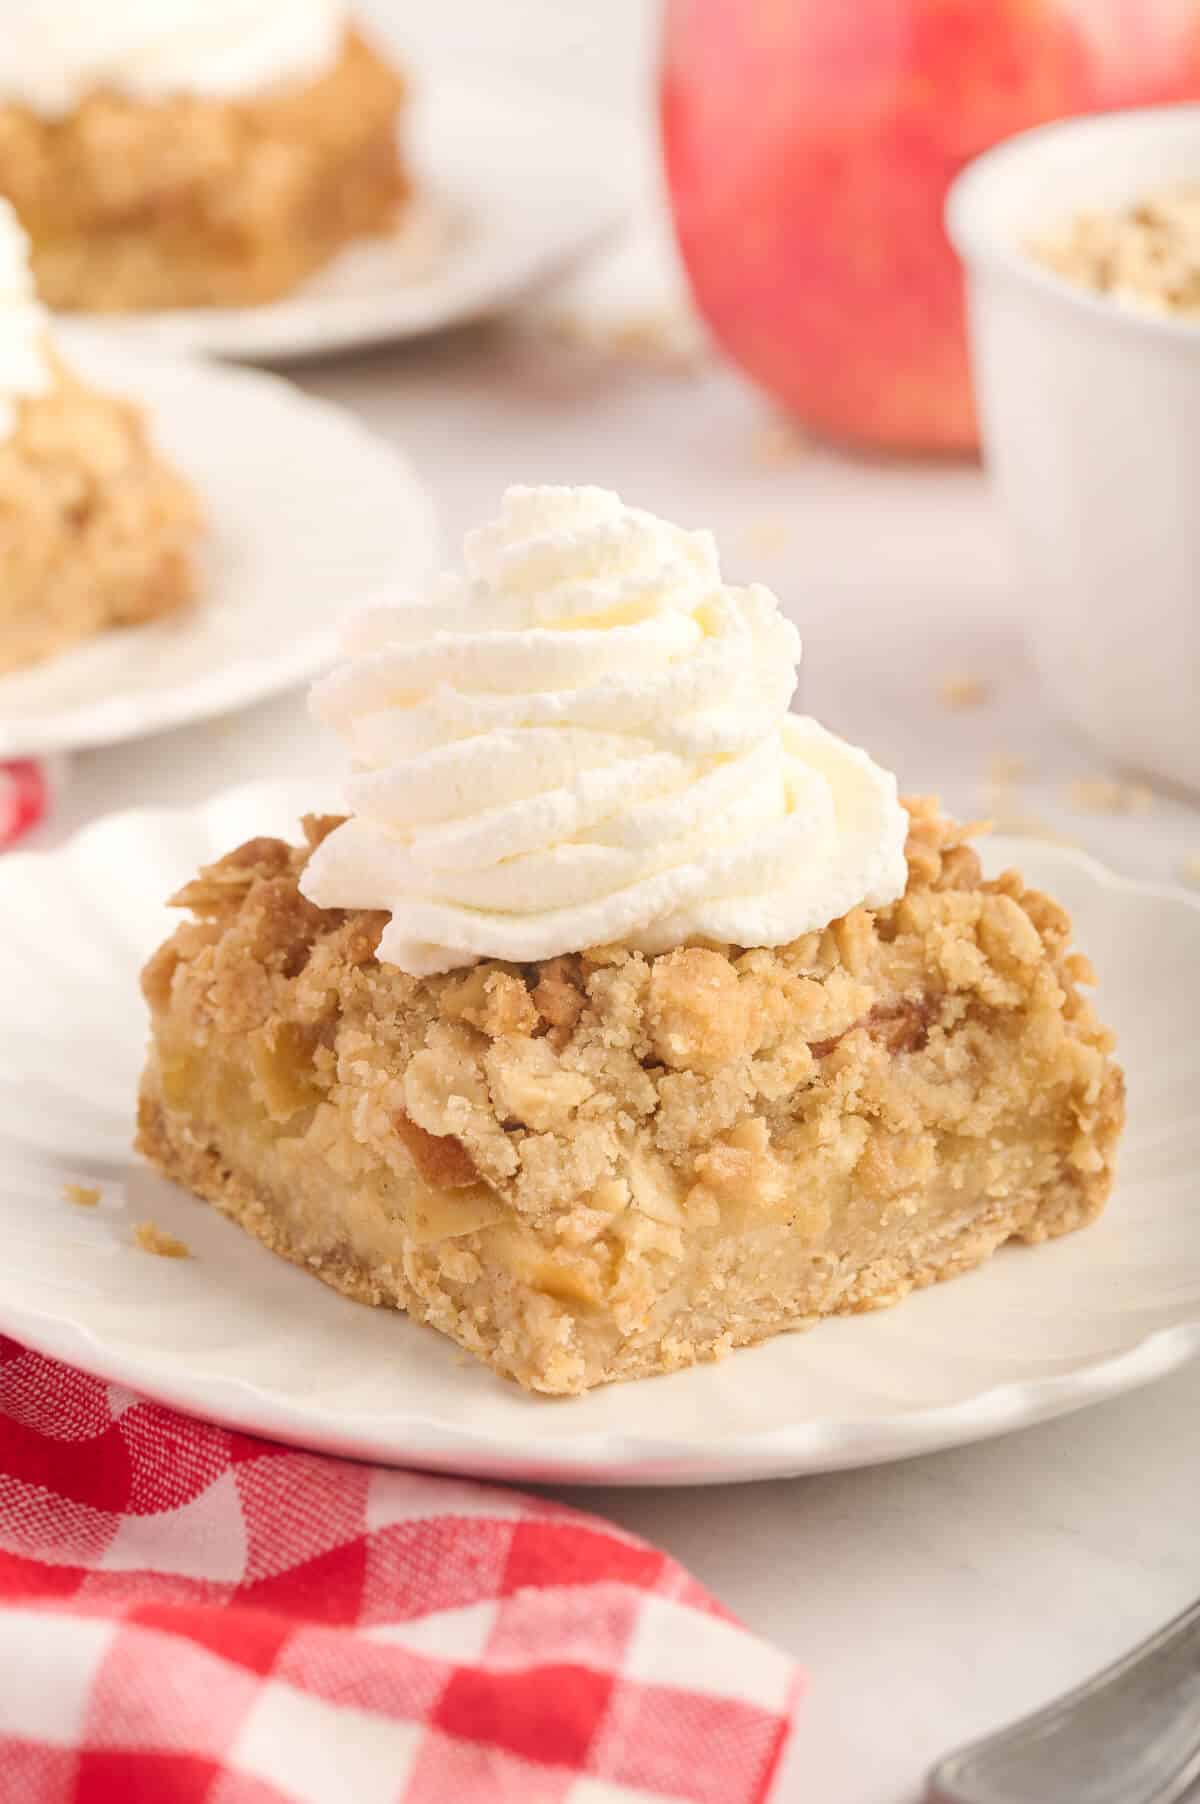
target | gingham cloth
[
  {"x": 192, "y": 1616},
  {"x": 24, "y": 798}
]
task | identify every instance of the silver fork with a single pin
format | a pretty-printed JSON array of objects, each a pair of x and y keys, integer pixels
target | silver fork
[{"x": 1131, "y": 1735}]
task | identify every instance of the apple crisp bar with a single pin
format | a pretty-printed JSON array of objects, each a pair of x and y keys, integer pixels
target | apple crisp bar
[
  {"x": 96, "y": 529},
  {"x": 204, "y": 202},
  {"x": 609, "y": 1165}
]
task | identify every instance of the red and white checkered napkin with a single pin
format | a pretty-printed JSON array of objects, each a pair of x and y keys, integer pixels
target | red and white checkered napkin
[
  {"x": 24, "y": 798},
  {"x": 192, "y": 1616}
]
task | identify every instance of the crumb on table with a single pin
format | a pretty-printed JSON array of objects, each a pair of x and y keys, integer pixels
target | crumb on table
[
  {"x": 778, "y": 442},
  {"x": 150, "y": 1238},
  {"x": 961, "y": 690},
  {"x": 85, "y": 1196},
  {"x": 766, "y": 536},
  {"x": 664, "y": 338},
  {"x": 1004, "y": 770},
  {"x": 1107, "y": 795}
]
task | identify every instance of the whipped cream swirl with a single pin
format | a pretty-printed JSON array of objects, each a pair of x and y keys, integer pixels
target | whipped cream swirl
[
  {"x": 57, "y": 51},
  {"x": 585, "y": 738},
  {"x": 24, "y": 363}
]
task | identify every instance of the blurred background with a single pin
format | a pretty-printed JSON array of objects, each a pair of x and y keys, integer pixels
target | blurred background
[
  {"x": 600, "y": 52},
  {"x": 895, "y": 565}
]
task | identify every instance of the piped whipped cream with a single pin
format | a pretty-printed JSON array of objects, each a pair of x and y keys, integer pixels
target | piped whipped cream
[
  {"x": 57, "y": 51},
  {"x": 585, "y": 738},
  {"x": 24, "y": 363}
]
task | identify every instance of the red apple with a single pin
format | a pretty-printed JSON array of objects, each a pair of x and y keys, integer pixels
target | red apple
[{"x": 809, "y": 145}]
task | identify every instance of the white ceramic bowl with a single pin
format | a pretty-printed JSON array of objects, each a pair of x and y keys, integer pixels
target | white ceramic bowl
[{"x": 1091, "y": 425}]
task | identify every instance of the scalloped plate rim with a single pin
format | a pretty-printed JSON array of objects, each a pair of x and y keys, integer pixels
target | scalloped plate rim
[{"x": 812, "y": 1447}]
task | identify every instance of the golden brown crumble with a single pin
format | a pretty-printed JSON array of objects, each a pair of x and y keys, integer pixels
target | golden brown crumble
[
  {"x": 96, "y": 529},
  {"x": 440, "y": 1160},
  {"x": 148, "y": 1237},
  {"x": 195, "y": 202},
  {"x": 84, "y": 1196},
  {"x": 611, "y": 1163}
]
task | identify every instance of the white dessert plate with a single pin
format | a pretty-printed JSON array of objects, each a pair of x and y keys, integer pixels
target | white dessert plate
[
  {"x": 307, "y": 513},
  {"x": 235, "y": 1334},
  {"x": 513, "y": 185}
]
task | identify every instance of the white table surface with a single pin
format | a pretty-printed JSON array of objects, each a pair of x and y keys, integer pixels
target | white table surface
[{"x": 935, "y": 1599}]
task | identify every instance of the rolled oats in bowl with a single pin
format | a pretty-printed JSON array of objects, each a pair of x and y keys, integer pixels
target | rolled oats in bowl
[{"x": 1145, "y": 254}]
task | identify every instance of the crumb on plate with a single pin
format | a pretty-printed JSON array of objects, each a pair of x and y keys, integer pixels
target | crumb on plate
[
  {"x": 962, "y": 690},
  {"x": 150, "y": 1238},
  {"x": 85, "y": 1196}
]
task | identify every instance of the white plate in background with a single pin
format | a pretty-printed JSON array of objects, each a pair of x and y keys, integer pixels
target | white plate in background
[
  {"x": 513, "y": 186},
  {"x": 236, "y": 1334},
  {"x": 307, "y": 515}
]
